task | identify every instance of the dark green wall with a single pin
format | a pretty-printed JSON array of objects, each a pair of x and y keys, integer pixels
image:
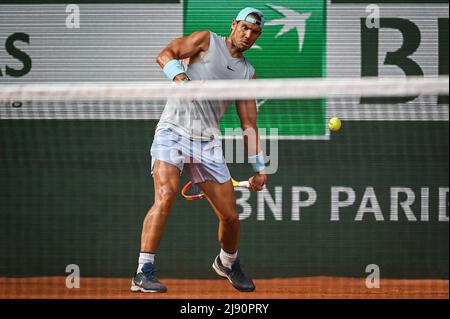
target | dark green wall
[{"x": 77, "y": 192}]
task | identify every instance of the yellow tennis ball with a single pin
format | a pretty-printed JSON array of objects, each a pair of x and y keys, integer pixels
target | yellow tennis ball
[{"x": 334, "y": 124}]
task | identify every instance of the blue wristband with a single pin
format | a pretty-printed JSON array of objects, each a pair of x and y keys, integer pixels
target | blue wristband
[
  {"x": 257, "y": 162},
  {"x": 173, "y": 68}
]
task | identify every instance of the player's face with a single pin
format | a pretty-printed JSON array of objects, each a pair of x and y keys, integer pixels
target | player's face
[{"x": 244, "y": 34}]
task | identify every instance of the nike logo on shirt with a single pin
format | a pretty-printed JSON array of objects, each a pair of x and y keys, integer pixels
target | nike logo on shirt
[{"x": 228, "y": 67}]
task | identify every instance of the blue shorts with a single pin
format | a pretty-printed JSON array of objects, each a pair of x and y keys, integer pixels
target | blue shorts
[{"x": 201, "y": 160}]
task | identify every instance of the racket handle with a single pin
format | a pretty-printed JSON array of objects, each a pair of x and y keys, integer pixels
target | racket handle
[{"x": 245, "y": 184}]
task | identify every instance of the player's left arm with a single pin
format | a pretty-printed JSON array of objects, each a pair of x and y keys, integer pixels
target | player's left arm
[{"x": 247, "y": 112}]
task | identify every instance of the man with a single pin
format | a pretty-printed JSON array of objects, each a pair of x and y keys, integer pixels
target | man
[{"x": 207, "y": 57}]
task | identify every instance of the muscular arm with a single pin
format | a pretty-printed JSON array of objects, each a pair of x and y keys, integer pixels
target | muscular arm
[
  {"x": 247, "y": 113},
  {"x": 189, "y": 46}
]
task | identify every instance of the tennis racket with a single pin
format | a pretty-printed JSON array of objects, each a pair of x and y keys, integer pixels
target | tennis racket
[{"x": 191, "y": 191}]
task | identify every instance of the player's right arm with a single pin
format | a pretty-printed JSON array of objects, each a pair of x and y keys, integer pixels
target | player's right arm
[
  {"x": 247, "y": 113},
  {"x": 188, "y": 47}
]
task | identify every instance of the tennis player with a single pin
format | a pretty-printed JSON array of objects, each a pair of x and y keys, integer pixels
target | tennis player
[{"x": 202, "y": 55}]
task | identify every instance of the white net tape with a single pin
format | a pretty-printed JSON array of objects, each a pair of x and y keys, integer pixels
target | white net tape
[{"x": 226, "y": 90}]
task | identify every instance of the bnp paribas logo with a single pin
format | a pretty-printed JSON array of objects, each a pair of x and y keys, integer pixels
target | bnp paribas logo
[
  {"x": 295, "y": 33},
  {"x": 291, "y": 20}
]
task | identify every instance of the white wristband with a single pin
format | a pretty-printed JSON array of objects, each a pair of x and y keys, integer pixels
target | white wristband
[
  {"x": 173, "y": 68},
  {"x": 257, "y": 162}
]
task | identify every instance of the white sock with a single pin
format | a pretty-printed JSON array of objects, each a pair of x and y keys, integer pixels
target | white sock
[
  {"x": 145, "y": 258},
  {"x": 227, "y": 259}
]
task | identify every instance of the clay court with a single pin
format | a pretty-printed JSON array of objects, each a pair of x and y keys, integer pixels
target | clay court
[{"x": 292, "y": 288}]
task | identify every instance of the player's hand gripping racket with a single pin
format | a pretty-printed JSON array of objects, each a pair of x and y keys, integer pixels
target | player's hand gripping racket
[{"x": 191, "y": 191}]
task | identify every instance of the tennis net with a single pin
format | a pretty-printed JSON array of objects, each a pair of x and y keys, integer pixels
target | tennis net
[
  {"x": 296, "y": 107},
  {"x": 75, "y": 179}
]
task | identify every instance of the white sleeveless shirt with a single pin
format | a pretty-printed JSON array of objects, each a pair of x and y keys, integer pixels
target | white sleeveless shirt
[{"x": 200, "y": 120}]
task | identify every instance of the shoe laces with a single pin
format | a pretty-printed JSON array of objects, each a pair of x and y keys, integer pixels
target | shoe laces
[
  {"x": 149, "y": 271},
  {"x": 236, "y": 266}
]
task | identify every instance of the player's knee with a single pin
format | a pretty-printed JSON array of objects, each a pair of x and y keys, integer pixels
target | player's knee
[
  {"x": 230, "y": 219},
  {"x": 165, "y": 198}
]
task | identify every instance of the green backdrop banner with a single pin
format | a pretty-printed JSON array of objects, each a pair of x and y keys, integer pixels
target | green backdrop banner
[{"x": 294, "y": 33}]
